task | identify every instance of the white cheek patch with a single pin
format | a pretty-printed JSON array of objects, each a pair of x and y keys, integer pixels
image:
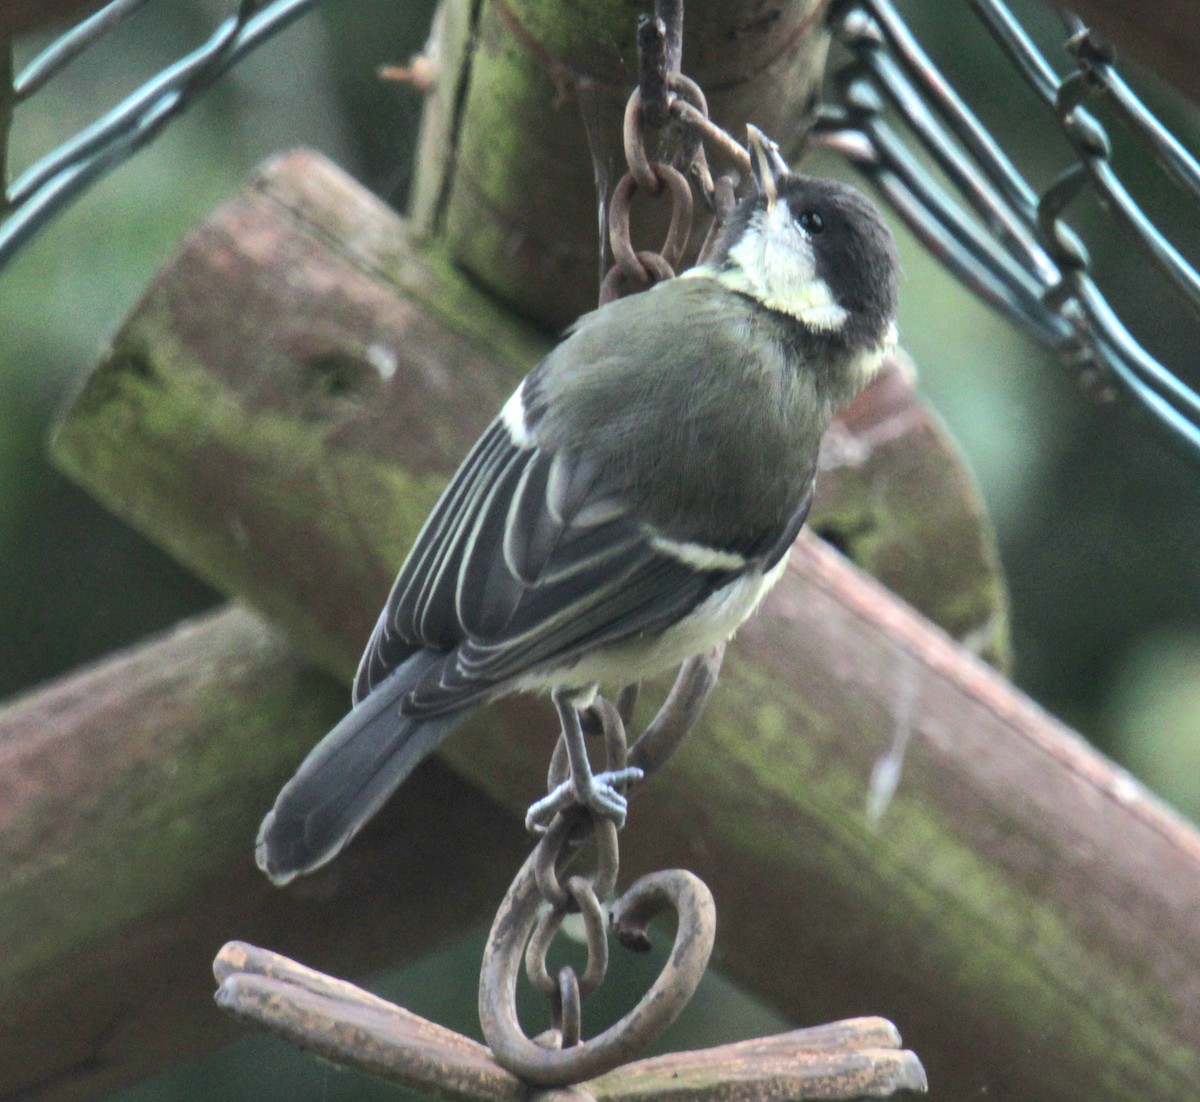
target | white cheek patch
[
  {"x": 775, "y": 265},
  {"x": 787, "y": 255},
  {"x": 820, "y": 311}
]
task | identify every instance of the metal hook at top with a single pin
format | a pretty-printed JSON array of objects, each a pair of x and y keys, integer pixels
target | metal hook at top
[{"x": 660, "y": 56}]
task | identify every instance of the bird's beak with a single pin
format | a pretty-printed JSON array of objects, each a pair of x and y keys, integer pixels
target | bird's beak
[{"x": 766, "y": 163}]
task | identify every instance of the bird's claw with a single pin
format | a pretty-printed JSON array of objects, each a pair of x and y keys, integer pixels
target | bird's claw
[{"x": 599, "y": 793}]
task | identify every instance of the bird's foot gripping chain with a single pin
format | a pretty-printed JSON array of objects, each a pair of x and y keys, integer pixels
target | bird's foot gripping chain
[
  {"x": 601, "y": 793},
  {"x": 572, "y": 782}
]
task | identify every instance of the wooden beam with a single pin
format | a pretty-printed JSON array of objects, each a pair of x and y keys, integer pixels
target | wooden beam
[
  {"x": 129, "y": 798},
  {"x": 290, "y": 451}
]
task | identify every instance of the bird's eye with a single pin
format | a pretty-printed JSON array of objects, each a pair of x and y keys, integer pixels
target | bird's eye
[{"x": 811, "y": 222}]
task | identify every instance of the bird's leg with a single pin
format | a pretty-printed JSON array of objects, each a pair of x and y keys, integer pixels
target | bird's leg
[{"x": 598, "y": 792}]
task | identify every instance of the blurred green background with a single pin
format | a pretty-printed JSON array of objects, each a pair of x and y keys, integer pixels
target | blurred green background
[{"x": 1098, "y": 519}]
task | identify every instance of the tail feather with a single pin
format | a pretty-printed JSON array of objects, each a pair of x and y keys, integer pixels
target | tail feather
[{"x": 346, "y": 778}]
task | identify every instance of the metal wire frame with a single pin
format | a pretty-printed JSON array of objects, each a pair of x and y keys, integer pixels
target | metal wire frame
[
  {"x": 999, "y": 237},
  {"x": 47, "y": 186},
  {"x": 1007, "y": 243}
]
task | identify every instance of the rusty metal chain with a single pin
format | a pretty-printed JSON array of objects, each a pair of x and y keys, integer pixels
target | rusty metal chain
[
  {"x": 641, "y": 268},
  {"x": 559, "y": 1058},
  {"x": 572, "y": 870},
  {"x": 667, "y": 101}
]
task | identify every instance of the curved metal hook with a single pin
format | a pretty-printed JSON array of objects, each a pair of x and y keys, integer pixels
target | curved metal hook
[
  {"x": 679, "y": 712},
  {"x": 674, "y": 889}
]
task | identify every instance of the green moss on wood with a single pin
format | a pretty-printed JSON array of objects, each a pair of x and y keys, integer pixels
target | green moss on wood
[
  {"x": 235, "y": 709},
  {"x": 773, "y": 788},
  {"x": 977, "y": 928},
  {"x": 152, "y": 430},
  {"x": 245, "y": 457}
]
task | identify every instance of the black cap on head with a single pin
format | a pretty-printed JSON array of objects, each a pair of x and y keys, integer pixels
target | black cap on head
[
  {"x": 853, "y": 248},
  {"x": 841, "y": 238}
]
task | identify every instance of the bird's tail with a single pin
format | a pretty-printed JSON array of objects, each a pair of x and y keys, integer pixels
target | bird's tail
[{"x": 346, "y": 778}]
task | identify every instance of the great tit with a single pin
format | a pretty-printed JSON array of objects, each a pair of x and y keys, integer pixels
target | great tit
[{"x": 629, "y": 507}]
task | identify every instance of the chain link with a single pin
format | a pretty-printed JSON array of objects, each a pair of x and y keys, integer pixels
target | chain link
[
  {"x": 563, "y": 840},
  {"x": 638, "y": 269},
  {"x": 677, "y": 104},
  {"x": 562, "y": 1058},
  {"x": 583, "y": 900}
]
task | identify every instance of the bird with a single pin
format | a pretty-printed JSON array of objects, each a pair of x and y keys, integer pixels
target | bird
[{"x": 628, "y": 507}]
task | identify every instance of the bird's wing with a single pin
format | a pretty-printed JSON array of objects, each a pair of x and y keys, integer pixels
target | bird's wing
[
  {"x": 529, "y": 560},
  {"x": 436, "y": 553}
]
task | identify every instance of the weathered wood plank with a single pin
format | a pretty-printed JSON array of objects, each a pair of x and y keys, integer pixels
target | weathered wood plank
[
  {"x": 283, "y": 406},
  {"x": 847, "y": 1061}
]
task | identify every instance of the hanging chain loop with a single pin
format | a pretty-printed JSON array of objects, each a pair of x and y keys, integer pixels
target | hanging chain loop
[
  {"x": 582, "y": 894},
  {"x": 668, "y": 256},
  {"x": 686, "y": 111},
  {"x": 572, "y": 870},
  {"x": 632, "y": 134},
  {"x": 574, "y": 865},
  {"x": 642, "y": 268}
]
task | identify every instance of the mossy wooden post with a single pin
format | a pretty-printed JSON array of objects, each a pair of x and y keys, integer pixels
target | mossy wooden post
[{"x": 505, "y": 172}]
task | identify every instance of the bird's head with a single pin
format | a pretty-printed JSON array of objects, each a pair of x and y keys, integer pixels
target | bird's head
[{"x": 816, "y": 250}]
